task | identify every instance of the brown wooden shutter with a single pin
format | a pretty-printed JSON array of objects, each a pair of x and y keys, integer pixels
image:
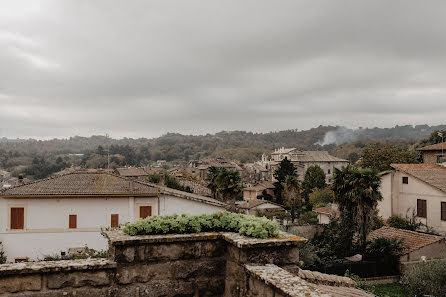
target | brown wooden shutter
[
  {"x": 443, "y": 211},
  {"x": 145, "y": 211},
  {"x": 17, "y": 218},
  {"x": 114, "y": 221},
  {"x": 72, "y": 224},
  {"x": 421, "y": 208}
]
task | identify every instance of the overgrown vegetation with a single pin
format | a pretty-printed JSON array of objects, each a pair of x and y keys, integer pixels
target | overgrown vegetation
[
  {"x": 86, "y": 253},
  {"x": 427, "y": 279},
  {"x": 225, "y": 184},
  {"x": 379, "y": 156},
  {"x": 221, "y": 221},
  {"x": 408, "y": 223},
  {"x": 381, "y": 290},
  {"x": 3, "y": 257}
]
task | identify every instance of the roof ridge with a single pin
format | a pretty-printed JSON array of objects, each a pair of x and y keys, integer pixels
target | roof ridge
[{"x": 413, "y": 232}]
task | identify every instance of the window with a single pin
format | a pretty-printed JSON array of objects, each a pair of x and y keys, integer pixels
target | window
[
  {"x": 17, "y": 218},
  {"x": 421, "y": 208},
  {"x": 20, "y": 260},
  {"x": 443, "y": 211},
  {"x": 72, "y": 223},
  {"x": 114, "y": 221},
  {"x": 328, "y": 171},
  {"x": 440, "y": 159},
  {"x": 145, "y": 211},
  {"x": 405, "y": 180}
]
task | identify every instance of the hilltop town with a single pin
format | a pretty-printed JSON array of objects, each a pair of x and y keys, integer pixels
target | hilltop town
[{"x": 64, "y": 215}]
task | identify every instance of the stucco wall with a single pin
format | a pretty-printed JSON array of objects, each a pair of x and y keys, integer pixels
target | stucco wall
[
  {"x": 430, "y": 157},
  {"x": 46, "y": 221},
  {"x": 401, "y": 199},
  {"x": 385, "y": 205}
]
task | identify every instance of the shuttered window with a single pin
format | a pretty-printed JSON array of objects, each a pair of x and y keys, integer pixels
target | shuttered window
[
  {"x": 114, "y": 221},
  {"x": 443, "y": 211},
  {"x": 17, "y": 218},
  {"x": 421, "y": 208},
  {"x": 145, "y": 211},
  {"x": 72, "y": 222}
]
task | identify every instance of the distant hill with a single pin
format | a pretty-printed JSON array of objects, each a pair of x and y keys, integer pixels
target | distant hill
[{"x": 177, "y": 148}]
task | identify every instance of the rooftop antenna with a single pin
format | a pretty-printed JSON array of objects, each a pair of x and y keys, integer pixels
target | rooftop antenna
[{"x": 108, "y": 150}]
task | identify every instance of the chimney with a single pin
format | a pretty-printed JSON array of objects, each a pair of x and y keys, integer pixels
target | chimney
[{"x": 20, "y": 179}]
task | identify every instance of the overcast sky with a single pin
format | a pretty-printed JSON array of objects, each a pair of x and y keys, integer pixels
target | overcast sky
[{"x": 144, "y": 68}]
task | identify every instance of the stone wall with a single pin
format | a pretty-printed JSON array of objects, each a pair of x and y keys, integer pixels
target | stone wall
[
  {"x": 306, "y": 231},
  {"x": 201, "y": 264}
]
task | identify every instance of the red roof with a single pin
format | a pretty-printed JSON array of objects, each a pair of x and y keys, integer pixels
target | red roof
[
  {"x": 411, "y": 240},
  {"x": 434, "y": 147},
  {"x": 328, "y": 210}
]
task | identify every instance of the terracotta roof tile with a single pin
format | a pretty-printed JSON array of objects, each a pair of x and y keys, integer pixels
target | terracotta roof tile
[
  {"x": 433, "y": 174},
  {"x": 256, "y": 202},
  {"x": 132, "y": 171},
  {"x": 411, "y": 240},
  {"x": 81, "y": 184},
  {"x": 434, "y": 147},
  {"x": 328, "y": 210}
]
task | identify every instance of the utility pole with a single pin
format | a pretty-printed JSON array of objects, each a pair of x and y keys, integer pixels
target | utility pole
[{"x": 108, "y": 151}]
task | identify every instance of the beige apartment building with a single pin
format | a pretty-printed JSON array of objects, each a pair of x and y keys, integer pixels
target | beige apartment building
[
  {"x": 415, "y": 187},
  {"x": 433, "y": 154}
]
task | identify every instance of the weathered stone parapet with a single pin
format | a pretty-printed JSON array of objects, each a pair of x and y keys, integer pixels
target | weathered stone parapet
[
  {"x": 272, "y": 281},
  {"x": 196, "y": 265},
  {"x": 55, "y": 266}
]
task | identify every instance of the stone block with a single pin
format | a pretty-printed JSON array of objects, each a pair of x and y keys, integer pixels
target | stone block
[
  {"x": 281, "y": 255},
  {"x": 18, "y": 283},
  {"x": 167, "y": 289},
  {"x": 156, "y": 252},
  {"x": 78, "y": 279},
  {"x": 170, "y": 270}
]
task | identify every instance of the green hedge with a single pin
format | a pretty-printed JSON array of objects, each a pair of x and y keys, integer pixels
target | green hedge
[{"x": 220, "y": 221}]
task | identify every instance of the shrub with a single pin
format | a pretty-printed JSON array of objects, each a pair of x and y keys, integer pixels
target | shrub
[
  {"x": 87, "y": 253},
  {"x": 308, "y": 218},
  {"x": 427, "y": 278},
  {"x": 384, "y": 249},
  {"x": 408, "y": 223},
  {"x": 220, "y": 221},
  {"x": 3, "y": 258}
]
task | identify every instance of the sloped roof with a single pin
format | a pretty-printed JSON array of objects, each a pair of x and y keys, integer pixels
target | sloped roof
[
  {"x": 257, "y": 202},
  {"x": 434, "y": 147},
  {"x": 411, "y": 240},
  {"x": 315, "y": 156},
  {"x": 132, "y": 171},
  {"x": 283, "y": 151},
  {"x": 328, "y": 210},
  {"x": 81, "y": 184},
  {"x": 97, "y": 184},
  {"x": 186, "y": 195},
  {"x": 432, "y": 174},
  {"x": 258, "y": 187}
]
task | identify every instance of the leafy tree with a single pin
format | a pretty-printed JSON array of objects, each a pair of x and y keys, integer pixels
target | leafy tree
[
  {"x": 379, "y": 156},
  {"x": 265, "y": 196},
  {"x": 286, "y": 168},
  {"x": 321, "y": 197},
  {"x": 314, "y": 179},
  {"x": 357, "y": 193},
  {"x": 434, "y": 138}
]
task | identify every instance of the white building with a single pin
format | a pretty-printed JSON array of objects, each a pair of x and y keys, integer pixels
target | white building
[
  {"x": 51, "y": 216},
  {"x": 304, "y": 159},
  {"x": 415, "y": 187}
]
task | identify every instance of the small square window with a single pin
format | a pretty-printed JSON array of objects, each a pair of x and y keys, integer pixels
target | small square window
[
  {"x": 440, "y": 158},
  {"x": 405, "y": 180}
]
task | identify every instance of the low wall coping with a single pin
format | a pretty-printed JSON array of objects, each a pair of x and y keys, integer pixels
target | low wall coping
[
  {"x": 56, "y": 266},
  {"x": 119, "y": 238}
]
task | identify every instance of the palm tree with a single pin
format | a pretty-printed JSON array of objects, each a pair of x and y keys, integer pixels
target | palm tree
[
  {"x": 212, "y": 177},
  {"x": 357, "y": 193},
  {"x": 291, "y": 193},
  {"x": 228, "y": 184}
]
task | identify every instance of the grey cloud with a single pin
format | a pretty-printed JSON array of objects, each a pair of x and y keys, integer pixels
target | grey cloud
[{"x": 143, "y": 68}]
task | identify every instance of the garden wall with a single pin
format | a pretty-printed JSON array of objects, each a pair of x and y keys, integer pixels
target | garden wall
[{"x": 201, "y": 264}]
